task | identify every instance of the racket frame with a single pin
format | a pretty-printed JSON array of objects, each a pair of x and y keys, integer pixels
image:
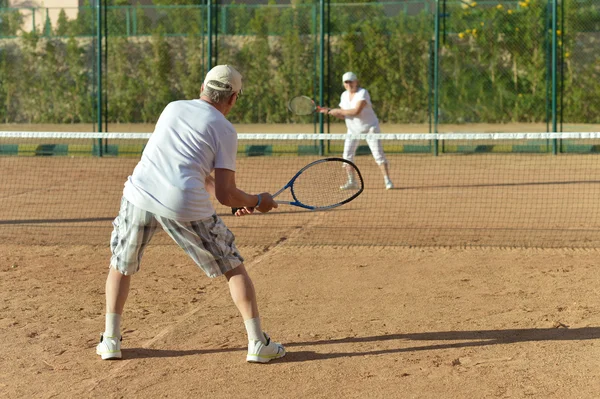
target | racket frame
[{"x": 297, "y": 203}]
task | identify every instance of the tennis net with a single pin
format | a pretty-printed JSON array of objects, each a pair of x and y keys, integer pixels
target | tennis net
[{"x": 504, "y": 189}]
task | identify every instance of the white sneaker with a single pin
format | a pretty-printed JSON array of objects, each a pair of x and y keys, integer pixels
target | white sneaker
[
  {"x": 109, "y": 347},
  {"x": 351, "y": 185},
  {"x": 389, "y": 185},
  {"x": 264, "y": 353}
]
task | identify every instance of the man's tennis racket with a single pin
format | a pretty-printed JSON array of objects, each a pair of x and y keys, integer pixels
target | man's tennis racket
[
  {"x": 302, "y": 105},
  {"x": 323, "y": 184}
]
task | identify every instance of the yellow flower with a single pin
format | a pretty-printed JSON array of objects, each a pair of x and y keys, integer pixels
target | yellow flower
[
  {"x": 468, "y": 31},
  {"x": 461, "y": 35},
  {"x": 558, "y": 32},
  {"x": 523, "y": 4},
  {"x": 517, "y": 29},
  {"x": 474, "y": 32},
  {"x": 499, "y": 6},
  {"x": 510, "y": 11},
  {"x": 482, "y": 24},
  {"x": 467, "y": 4},
  {"x": 567, "y": 55},
  {"x": 520, "y": 95}
]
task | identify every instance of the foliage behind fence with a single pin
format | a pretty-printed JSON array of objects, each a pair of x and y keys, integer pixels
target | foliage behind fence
[{"x": 494, "y": 60}]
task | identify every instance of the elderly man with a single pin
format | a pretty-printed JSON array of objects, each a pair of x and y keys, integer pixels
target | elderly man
[{"x": 171, "y": 187}]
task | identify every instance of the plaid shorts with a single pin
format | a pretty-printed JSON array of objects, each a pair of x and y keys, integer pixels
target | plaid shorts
[{"x": 208, "y": 241}]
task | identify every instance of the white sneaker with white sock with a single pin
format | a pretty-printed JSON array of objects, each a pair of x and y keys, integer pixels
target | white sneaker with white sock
[
  {"x": 388, "y": 184},
  {"x": 259, "y": 352},
  {"x": 109, "y": 347}
]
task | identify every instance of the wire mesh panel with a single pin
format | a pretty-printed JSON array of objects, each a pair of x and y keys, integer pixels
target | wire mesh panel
[
  {"x": 387, "y": 46},
  {"x": 578, "y": 57},
  {"x": 517, "y": 62},
  {"x": 498, "y": 66},
  {"x": 275, "y": 49},
  {"x": 493, "y": 61},
  {"x": 123, "y": 64},
  {"x": 480, "y": 189},
  {"x": 56, "y": 189}
]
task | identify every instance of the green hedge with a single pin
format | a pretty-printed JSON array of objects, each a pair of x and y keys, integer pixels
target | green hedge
[{"x": 493, "y": 62}]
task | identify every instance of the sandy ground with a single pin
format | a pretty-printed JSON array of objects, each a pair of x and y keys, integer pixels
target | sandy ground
[
  {"x": 428, "y": 315},
  {"x": 510, "y": 200},
  {"x": 374, "y": 322}
]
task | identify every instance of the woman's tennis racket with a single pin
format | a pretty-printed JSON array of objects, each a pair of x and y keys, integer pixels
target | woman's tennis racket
[
  {"x": 323, "y": 184},
  {"x": 302, "y": 105}
]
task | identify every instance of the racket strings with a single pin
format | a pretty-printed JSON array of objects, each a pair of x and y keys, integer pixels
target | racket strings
[
  {"x": 302, "y": 105},
  {"x": 321, "y": 185}
]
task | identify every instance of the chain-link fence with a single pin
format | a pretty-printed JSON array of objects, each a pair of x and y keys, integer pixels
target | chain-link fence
[
  {"x": 579, "y": 63},
  {"x": 387, "y": 46},
  {"x": 492, "y": 62},
  {"x": 531, "y": 61},
  {"x": 423, "y": 61}
]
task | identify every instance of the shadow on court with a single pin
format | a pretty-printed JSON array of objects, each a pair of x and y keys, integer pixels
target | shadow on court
[
  {"x": 144, "y": 353},
  {"x": 545, "y": 183},
  {"x": 41, "y": 221},
  {"x": 111, "y": 218},
  {"x": 468, "y": 338}
]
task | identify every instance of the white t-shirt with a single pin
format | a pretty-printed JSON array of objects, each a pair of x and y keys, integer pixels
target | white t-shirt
[
  {"x": 190, "y": 140},
  {"x": 366, "y": 119}
]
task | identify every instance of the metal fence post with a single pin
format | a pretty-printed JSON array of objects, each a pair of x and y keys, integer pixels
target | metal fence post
[
  {"x": 210, "y": 32},
  {"x": 321, "y": 67},
  {"x": 554, "y": 63},
  {"x": 99, "y": 66},
  {"x": 436, "y": 62}
]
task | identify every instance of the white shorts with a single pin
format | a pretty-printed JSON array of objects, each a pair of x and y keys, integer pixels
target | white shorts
[{"x": 208, "y": 241}]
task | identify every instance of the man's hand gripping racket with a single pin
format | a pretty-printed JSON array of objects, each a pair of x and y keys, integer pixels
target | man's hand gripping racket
[{"x": 320, "y": 185}]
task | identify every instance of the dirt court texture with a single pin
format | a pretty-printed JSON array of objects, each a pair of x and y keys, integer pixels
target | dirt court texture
[{"x": 475, "y": 278}]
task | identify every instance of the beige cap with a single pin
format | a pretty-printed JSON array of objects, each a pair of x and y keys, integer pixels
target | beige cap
[
  {"x": 225, "y": 74},
  {"x": 349, "y": 77}
]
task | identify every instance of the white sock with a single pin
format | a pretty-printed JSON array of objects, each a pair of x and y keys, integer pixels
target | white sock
[
  {"x": 112, "y": 328},
  {"x": 254, "y": 330},
  {"x": 387, "y": 179}
]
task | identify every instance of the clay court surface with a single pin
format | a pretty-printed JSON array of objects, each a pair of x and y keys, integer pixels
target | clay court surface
[
  {"x": 433, "y": 318},
  {"x": 374, "y": 322}
]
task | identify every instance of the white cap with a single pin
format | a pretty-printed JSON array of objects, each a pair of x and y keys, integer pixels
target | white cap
[
  {"x": 225, "y": 74},
  {"x": 349, "y": 76}
]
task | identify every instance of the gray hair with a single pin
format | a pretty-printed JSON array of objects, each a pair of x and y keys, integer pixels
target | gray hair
[{"x": 217, "y": 96}]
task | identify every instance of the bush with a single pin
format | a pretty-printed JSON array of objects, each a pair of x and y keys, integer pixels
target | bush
[{"x": 494, "y": 62}]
